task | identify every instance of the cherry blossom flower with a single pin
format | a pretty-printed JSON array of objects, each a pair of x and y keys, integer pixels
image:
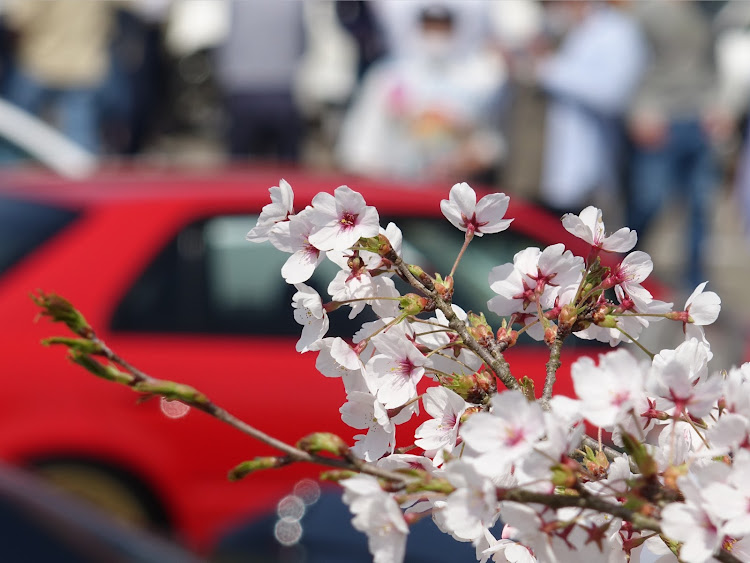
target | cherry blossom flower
[
  {"x": 363, "y": 411},
  {"x": 588, "y": 225},
  {"x": 395, "y": 371},
  {"x": 376, "y": 514},
  {"x": 440, "y": 433},
  {"x": 337, "y": 359},
  {"x": 341, "y": 219},
  {"x": 630, "y": 273},
  {"x": 610, "y": 390},
  {"x": 503, "y": 551},
  {"x": 535, "y": 276},
  {"x": 309, "y": 312},
  {"x": 472, "y": 507},
  {"x": 278, "y": 211},
  {"x": 701, "y": 309},
  {"x": 305, "y": 257},
  {"x": 349, "y": 284},
  {"x": 506, "y": 434},
  {"x": 466, "y": 214},
  {"x": 694, "y": 527},
  {"x": 680, "y": 378}
]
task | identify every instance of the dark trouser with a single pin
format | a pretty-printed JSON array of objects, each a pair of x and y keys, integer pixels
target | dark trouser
[
  {"x": 264, "y": 124},
  {"x": 685, "y": 162}
]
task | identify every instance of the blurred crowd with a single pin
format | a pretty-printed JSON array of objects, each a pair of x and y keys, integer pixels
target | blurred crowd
[{"x": 565, "y": 102}]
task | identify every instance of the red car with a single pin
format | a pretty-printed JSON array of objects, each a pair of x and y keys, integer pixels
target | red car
[{"x": 158, "y": 264}]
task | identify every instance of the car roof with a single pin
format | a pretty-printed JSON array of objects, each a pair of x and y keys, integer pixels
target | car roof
[{"x": 247, "y": 187}]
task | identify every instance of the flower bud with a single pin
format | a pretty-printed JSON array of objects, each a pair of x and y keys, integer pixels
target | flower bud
[
  {"x": 527, "y": 388},
  {"x": 444, "y": 287},
  {"x": 61, "y": 310},
  {"x": 507, "y": 337},
  {"x": 567, "y": 318},
  {"x": 413, "y": 304},
  {"x": 468, "y": 413},
  {"x": 476, "y": 388},
  {"x": 550, "y": 333},
  {"x": 172, "y": 391},
  {"x": 323, "y": 442},
  {"x": 336, "y": 475},
  {"x": 246, "y": 467},
  {"x": 563, "y": 476}
]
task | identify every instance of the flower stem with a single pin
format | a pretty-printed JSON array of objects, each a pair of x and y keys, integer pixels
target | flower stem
[{"x": 467, "y": 240}]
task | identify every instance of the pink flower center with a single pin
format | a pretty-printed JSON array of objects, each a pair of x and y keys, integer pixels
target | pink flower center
[
  {"x": 405, "y": 367},
  {"x": 348, "y": 220},
  {"x": 514, "y": 436}
]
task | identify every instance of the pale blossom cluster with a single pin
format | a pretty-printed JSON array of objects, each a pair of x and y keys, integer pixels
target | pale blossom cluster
[{"x": 486, "y": 455}]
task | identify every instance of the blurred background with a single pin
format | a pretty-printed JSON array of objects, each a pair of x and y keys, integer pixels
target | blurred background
[{"x": 639, "y": 108}]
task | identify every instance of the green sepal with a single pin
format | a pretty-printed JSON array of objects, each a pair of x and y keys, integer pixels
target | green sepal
[
  {"x": 323, "y": 442},
  {"x": 246, "y": 467},
  {"x": 59, "y": 309},
  {"x": 172, "y": 391},
  {"x": 108, "y": 372}
]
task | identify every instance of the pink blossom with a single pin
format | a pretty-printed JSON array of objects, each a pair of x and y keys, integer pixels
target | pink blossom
[
  {"x": 486, "y": 216},
  {"x": 278, "y": 211},
  {"x": 590, "y": 227},
  {"x": 341, "y": 219}
]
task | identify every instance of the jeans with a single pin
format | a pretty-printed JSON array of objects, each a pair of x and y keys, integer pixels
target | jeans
[
  {"x": 77, "y": 109},
  {"x": 686, "y": 163}
]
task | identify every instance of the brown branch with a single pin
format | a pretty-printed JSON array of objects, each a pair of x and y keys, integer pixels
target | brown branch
[
  {"x": 142, "y": 382},
  {"x": 597, "y": 504},
  {"x": 491, "y": 355},
  {"x": 577, "y": 501}
]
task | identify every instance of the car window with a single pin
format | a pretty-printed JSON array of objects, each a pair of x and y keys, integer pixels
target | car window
[
  {"x": 209, "y": 279},
  {"x": 25, "y": 225}
]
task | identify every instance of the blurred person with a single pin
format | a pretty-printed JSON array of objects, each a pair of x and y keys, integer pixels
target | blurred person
[
  {"x": 732, "y": 25},
  {"x": 61, "y": 59},
  {"x": 399, "y": 21},
  {"x": 132, "y": 96},
  {"x": 429, "y": 112},
  {"x": 517, "y": 31},
  {"x": 589, "y": 81},
  {"x": 360, "y": 21},
  {"x": 674, "y": 121},
  {"x": 257, "y": 66}
]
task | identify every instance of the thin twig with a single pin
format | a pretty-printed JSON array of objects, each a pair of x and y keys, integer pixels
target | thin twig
[
  {"x": 491, "y": 355},
  {"x": 294, "y": 453}
]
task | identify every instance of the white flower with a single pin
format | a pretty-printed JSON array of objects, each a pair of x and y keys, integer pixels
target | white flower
[
  {"x": 338, "y": 359},
  {"x": 463, "y": 211},
  {"x": 377, "y": 514},
  {"x": 507, "y": 434},
  {"x": 341, "y": 219},
  {"x": 309, "y": 312},
  {"x": 279, "y": 210},
  {"x": 507, "y": 280},
  {"x": 472, "y": 507},
  {"x": 395, "y": 371},
  {"x": 701, "y": 309},
  {"x": 349, "y": 284},
  {"x": 446, "y": 408},
  {"x": 691, "y": 525},
  {"x": 363, "y": 411},
  {"x": 590, "y": 227},
  {"x": 534, "y": 276},
  {"x": 608, "y": 392},
  {"x": 305, "y": 257},
  {"x": 680, "y": 378},
  {"x": 630, "y": 273}
]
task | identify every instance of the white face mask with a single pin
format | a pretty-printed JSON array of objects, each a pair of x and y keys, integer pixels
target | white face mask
[{"x": 436, "y": 46}]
